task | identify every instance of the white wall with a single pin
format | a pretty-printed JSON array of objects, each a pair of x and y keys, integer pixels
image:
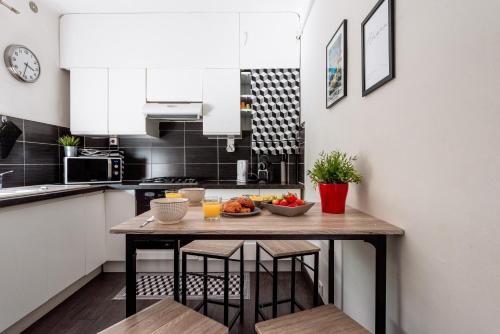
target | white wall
[
  {"x": 46, "y": 100},
  {"x": 428, "y": 148}
]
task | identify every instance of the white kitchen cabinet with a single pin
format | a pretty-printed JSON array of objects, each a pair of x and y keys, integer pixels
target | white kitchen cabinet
[
  {"x": 23, "y": 259},
  {"x": 45, "y": 247},
  {"x": 127, "y": 98},
  {"x": 174, "y": 85},
  {"x": 162, "y": 40},
  {"x": 89, "y": 101},
  {"x": 269, "y": 40},
  {"x": 120, "y": 207},
  {"x": 94, "y": 222},
  {"x": 221, "y": 102}
]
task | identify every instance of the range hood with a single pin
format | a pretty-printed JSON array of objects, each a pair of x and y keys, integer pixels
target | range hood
[{"x": 174, "y": 111}]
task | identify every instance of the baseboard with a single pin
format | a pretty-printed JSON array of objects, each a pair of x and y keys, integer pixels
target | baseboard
[{"x": 49, "y": 305}]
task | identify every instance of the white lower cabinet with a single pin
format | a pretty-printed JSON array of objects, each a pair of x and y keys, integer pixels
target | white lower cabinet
[
  {"x": 120, "y": 207},
  {"x": 45, "y": 247}
]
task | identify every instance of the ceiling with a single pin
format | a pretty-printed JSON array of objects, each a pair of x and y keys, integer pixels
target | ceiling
[{"x": 141, "y": 6}]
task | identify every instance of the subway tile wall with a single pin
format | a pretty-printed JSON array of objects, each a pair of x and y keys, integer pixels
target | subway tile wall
[
  {"x": 181, "y": 150},
  {"x": 36, "y": 158}
]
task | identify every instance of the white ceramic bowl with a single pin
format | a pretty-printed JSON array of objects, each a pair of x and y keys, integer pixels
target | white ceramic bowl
[
  {"x": 194, "y": 195},
  {"x": 169, "y": 210}
]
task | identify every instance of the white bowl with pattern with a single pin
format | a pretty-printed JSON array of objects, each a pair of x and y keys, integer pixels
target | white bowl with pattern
[{"x": 169, "y": 210}]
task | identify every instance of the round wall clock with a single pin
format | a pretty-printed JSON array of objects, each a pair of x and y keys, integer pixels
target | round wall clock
[{"x": 22, "y": 63}]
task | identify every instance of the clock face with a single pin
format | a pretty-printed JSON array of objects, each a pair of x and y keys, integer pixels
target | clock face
[{"x": 22, "y": 63}]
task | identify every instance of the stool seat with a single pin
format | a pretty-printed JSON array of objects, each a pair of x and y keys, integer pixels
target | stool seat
[
  {"x": 167, "y": 316},
  {"x": 222, "y": 248},
  {"x": 326, "y": 319},
  {"x": 286, "y": 248}
]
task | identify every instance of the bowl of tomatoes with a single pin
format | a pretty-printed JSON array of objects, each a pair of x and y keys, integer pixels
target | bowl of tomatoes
[{"x": 289, "y": 205}]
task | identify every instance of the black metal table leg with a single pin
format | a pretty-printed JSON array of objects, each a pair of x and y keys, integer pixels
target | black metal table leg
[
  {"x": 275, "y": 288},
  {"x": 205, "y": 285},
  {"x": 226, "y": 291},
  {"x": 257, "y": 279},
  {"x": 184, "y": 277},
  {"x": 176, "y": 270},
  {"x": 292, "y": 286},
  {"x": 242, "y": 284},
  {"x": 316, "y": 279},
  {"x": 380, "y": 283},
  {"x": 130, "y": 275},
  {"x": 331, "y": 271}
]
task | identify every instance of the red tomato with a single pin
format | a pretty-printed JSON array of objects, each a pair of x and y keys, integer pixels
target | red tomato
[
  {"x": 291, "y": 198},
  {"x": 299, "y": 201},
  {"x": 284, "y": 203},
  {"x": 292, "y": 205}
]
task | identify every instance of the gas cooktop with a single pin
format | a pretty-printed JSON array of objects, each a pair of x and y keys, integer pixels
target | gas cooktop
[{"x": 169, "y": 181}]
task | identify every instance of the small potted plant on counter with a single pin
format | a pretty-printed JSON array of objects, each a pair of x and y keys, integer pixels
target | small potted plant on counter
[
  {"x": 70, "y": 144},
  {"x": 333, "y": 172}
]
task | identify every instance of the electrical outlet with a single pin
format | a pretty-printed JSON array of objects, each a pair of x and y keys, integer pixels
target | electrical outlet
[
  {"x": 113, "y": 141},
  {"x": 320, "y": 288}
]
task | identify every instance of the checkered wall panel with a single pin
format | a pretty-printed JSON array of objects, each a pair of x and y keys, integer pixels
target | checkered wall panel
[{"x": 275, "y": 111}]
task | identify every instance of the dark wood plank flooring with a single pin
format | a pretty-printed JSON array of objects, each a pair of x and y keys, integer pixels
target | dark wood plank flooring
[{"x": 92, "y": 308}]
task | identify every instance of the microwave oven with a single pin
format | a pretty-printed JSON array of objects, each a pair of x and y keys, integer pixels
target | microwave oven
[{"x": 85, "y": 170}]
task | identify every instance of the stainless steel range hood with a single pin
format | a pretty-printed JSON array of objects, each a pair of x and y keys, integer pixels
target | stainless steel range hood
[{"x": 174, "y": 111}]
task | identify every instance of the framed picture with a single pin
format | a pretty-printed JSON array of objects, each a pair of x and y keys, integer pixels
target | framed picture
[
  {"x": 336, "y": 66},
  {"x": 377, "y": 45}
]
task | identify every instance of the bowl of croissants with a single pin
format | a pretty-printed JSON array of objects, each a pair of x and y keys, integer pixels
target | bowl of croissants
[{"x": 240, "y": 207}]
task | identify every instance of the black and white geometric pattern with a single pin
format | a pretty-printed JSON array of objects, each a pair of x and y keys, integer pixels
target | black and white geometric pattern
[
  {"x": 161, "y": 285},
  {"x": 275, "y": 111}
]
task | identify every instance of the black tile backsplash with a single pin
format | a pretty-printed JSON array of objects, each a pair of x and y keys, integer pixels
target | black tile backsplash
[
  {"x": 36, "y": 158},
  {"x": 181, "y": 150}
]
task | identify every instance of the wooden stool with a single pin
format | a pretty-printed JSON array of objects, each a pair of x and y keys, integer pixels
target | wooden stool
[
  {"x": 217, "y": 249},
  {"x": 167, "y": 316},
  {"x": 281, "y": 249},
  {"x": 326, "y": 319}
]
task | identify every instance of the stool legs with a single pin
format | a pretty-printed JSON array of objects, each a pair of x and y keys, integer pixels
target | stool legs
[
  {"x": 184, "y": 278},
  {"x": 292, "y": 289},
  {"x": 205, "y": 285},
  {"x": 316, "y": 278},
  {"x": 242, "y": 284},
  {"x": 275, "y": 288},
  {"x": 257, "y": 269}
]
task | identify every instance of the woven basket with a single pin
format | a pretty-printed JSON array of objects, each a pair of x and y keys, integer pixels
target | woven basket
[{"x": 169, "y": 210}]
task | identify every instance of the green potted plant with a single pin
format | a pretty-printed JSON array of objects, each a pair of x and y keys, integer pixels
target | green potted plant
[
  {"x": 333, "y": 172},
  {"x": 70, "y": 144}
]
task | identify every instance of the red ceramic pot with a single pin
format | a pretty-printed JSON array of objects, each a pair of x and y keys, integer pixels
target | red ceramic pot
[{"x": 333, "y": 197}]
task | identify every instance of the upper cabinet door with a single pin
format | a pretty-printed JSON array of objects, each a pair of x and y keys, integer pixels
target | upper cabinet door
[
  {"x": 127, "y": 97},
  {"x": 221, "y": 102},
  {"x": 174, "y": 85},
  {"x": 182, "y": 40},
  {"x": 269, "y": 40},
  {"x": 89, "y": 101}
]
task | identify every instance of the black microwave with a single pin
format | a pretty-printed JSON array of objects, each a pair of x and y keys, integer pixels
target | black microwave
[{"x": 84, "y": 170}]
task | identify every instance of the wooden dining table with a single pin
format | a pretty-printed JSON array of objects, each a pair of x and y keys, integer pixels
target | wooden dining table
[{"x": 314, "y": 225}]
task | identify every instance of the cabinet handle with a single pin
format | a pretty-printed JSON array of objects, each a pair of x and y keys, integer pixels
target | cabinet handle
[{"x": 246, "y": 38}]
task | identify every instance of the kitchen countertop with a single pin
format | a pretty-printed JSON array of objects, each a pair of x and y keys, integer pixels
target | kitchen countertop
[{"x": 85, "y": 189}]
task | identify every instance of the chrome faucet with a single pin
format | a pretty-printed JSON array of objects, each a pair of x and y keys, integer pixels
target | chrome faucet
[{"x": 1, "y": 177}]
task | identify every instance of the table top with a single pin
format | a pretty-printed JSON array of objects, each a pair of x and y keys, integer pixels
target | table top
[{"x": 314, "y": 224}]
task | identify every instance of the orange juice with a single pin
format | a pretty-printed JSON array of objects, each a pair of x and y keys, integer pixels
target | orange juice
[{"x": 212, "y": 209}]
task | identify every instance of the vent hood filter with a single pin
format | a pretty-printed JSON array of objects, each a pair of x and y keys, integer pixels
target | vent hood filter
[{"x": 174, "y": 111}]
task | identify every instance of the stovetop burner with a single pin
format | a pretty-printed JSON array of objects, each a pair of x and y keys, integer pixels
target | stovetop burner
[{"x": 168, "y": 181}]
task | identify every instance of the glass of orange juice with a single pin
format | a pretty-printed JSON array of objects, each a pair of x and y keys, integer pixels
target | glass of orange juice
[
  {"x": 212, "y": 208},
  {"x": 172, "y": 194}
]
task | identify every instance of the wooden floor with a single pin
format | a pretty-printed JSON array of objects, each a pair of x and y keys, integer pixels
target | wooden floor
[{"x": 93, "y": 309}]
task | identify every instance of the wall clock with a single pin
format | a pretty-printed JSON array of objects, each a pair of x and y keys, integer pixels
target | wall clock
[{"x": 22, "y": 63}]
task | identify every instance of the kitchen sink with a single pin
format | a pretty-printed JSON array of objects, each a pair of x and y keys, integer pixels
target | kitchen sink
[{"x": 33, "y": 190}]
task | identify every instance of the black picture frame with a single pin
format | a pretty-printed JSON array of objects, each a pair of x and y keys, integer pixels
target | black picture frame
[
  {"x": 391, "y": 54},
  {"x": 342, "y": 28}
]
